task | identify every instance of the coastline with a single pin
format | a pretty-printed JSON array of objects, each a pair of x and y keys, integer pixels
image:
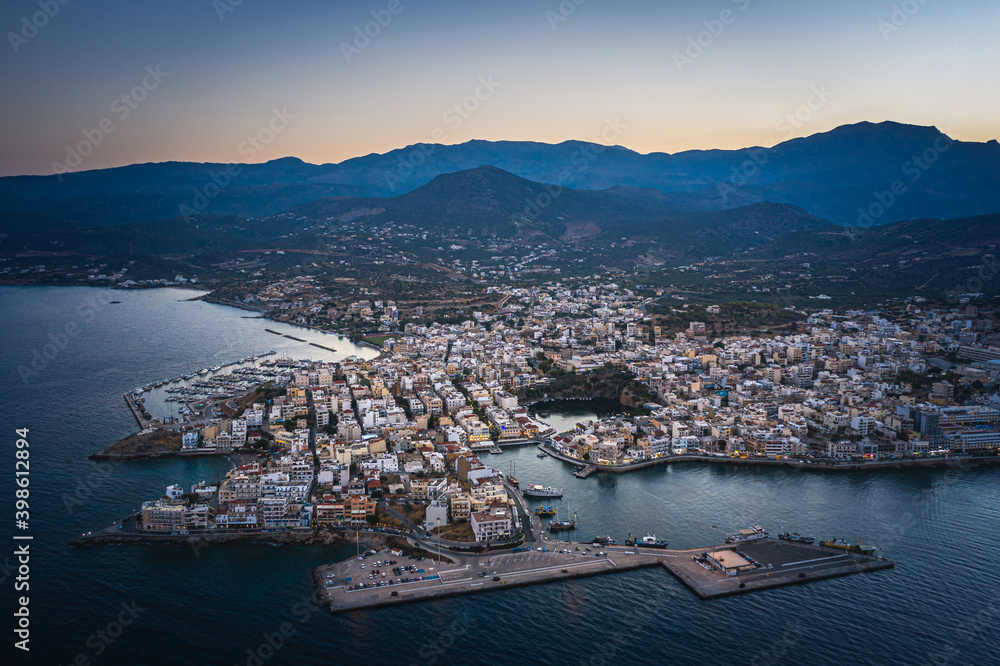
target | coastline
[
  {"x": 964, "y": 462},
  {"x": 306, "y": 536}
]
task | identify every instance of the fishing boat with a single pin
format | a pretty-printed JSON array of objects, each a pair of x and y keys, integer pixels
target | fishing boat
[
  {"x": 542, "y": 491},
  {"x": 648, "y": 541},
  {"x": 850, "y": 547},
  {"x": 556, "y": 525},
  {"x": 754, "y": 533},
  {"x": 796, "y": 537},
  {"x": 545, "y": 511}
]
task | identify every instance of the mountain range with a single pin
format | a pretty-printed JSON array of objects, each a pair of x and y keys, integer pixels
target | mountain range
[
  {"x": 863, "y": 174},
  {"x": 899, "y": 208}
]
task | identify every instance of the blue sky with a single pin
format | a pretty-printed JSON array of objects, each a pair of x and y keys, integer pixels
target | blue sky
[{"x": 672, "y": 75}]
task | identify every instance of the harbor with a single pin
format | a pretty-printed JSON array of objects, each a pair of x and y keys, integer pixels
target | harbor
[{"x": 374, "y": 581}]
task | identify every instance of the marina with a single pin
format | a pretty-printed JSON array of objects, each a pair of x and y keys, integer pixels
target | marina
[{"x": 194, "y": 390}]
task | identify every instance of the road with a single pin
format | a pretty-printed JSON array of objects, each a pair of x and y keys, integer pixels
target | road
[{"x": 522, "y": 510}]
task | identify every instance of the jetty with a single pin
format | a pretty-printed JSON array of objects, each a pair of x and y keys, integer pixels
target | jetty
[
  {"x": 709, "y": 572},
  {"x": 138, "y": 411}
]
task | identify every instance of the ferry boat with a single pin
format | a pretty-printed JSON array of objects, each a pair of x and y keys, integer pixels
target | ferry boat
[
  {"x": 754, "y": 533},
  {"x": 796, "y": 537},
  {"x": 542, "y": 491},
  {"x": 545, "y": 511},
  {"x": 603, "y": 541},
  {"x": 850, "y": 547},
  {"x": 648, "y": 541}
]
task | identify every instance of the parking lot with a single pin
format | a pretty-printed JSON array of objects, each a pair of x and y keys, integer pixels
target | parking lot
[
  {"x": 786, "y": 557},
  {"x": 381, "y": 569},
  {"x": 382, "y": 578}
]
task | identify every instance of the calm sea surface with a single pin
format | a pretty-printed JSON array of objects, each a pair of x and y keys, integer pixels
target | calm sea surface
[{"x": 941, "y": 604}]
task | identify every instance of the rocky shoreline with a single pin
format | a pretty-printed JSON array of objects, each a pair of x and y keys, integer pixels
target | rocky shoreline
[
  {"x": 305, "y": 537},
  {"x": 119, "y": 457}
]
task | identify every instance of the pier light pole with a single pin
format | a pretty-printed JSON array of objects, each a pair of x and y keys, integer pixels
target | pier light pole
[
  {"x": 714, "y": 537},
  {"x": 439, "y": 539}
]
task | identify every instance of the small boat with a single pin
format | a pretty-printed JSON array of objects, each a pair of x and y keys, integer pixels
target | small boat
[
  {"x": 603, "y": 541},
  {"x": 850, "y": 547},
  {"x": 556, "y": 525},
  {"x": 648, "y": 541},
  {"x": 754, "y": 533},
  {"x": 542, "y": 455},
  {"x": 545, "y": 511},
  {"x": 796, "y": 537}
]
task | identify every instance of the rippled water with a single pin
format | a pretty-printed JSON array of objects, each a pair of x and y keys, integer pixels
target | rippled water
[{"x": 940, "y": 604}]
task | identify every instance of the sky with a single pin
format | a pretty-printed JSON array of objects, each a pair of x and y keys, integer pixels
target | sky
[{"x": 88, "y": 85}]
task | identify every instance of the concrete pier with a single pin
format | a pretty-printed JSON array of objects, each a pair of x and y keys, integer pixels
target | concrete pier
[
  {"x": 137, "y": 411},
  {"x": 347, "y": 586}
]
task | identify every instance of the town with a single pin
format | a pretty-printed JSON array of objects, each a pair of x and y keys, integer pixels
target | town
[{"x": 399, "y": 443}]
